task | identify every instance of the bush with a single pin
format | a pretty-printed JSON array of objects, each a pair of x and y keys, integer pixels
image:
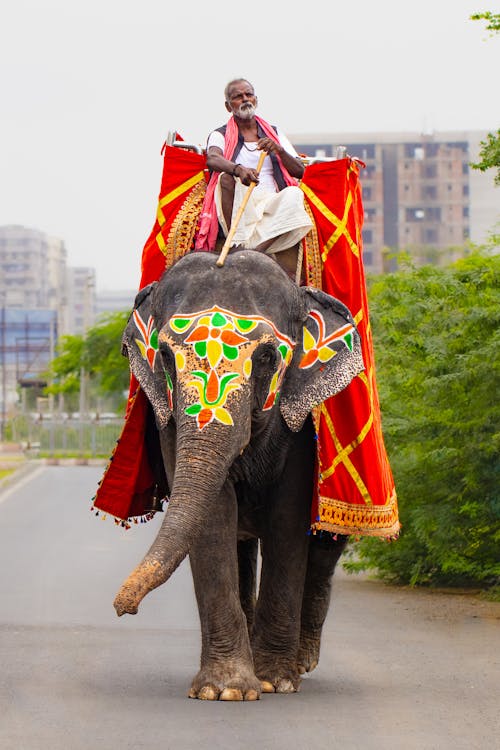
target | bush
[{"x": 437, "y": 338}]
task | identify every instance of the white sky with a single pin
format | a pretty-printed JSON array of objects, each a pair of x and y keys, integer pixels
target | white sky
[{"x": 90, "y": 89}]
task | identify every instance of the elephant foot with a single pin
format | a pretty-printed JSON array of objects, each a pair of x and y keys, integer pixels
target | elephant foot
[
  {"x": 213, "y": 683},
  {"x": 308, "y": 657},
  {"x": 278, "y": 677}
]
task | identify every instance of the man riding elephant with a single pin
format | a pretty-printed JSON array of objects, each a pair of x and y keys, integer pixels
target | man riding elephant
[{"x": 275, "y": 219}]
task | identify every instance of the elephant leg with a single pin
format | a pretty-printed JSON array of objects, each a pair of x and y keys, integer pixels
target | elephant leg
[
  {"x": 324, "y": 553},
  {"x": 276, "y": 632},
  {"x": 247, "y": 565},
  {"x": 226, "y": 670}
]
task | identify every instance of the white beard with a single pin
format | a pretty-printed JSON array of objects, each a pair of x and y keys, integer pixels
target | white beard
[{"x": 245, "y": 111}]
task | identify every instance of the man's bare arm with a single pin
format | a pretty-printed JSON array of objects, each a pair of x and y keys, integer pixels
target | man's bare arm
[
  {"x": 217, "y": 163},
  {"x": 292, "y": 163}
]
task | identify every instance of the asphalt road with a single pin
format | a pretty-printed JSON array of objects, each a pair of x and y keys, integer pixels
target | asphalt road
[{"x": 399, "y": 668}]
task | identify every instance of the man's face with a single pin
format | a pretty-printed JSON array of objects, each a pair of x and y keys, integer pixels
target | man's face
[{"x": 241, "y": 100}]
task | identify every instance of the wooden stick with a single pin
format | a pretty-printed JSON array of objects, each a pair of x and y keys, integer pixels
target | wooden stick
[{"x": 234, "y": 225}]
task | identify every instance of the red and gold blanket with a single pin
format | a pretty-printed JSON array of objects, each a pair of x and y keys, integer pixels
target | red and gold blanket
[{"x": 355, "y": 491}]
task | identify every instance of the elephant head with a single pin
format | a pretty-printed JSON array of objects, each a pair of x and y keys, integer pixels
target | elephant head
[{"x": 218, "y": 351}]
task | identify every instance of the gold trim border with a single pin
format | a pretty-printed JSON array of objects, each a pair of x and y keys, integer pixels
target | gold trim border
[
  {"x": 339, "y": 517},
  {"x": 181, "y": 235}
]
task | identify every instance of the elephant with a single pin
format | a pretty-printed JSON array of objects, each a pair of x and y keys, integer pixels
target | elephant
[{"x": 232, "y": 360}]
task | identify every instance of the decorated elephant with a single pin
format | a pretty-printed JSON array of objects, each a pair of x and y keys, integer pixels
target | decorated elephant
[{"x": 233, "y": 360}]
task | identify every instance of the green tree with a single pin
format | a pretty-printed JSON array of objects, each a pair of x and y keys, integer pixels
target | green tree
[
  {"x": 437, "y": 339},
  {"x": 489, "y": 153},
  {"x": 99, "y": 354},
  {"x": 492, "y": 20}
]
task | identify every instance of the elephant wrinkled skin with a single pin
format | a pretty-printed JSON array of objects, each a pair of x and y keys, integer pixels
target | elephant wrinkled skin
[{"x": 232, "y": 360}]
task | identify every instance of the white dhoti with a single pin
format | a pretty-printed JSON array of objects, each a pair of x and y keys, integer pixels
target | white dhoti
[{"x": 267, "y": 214}]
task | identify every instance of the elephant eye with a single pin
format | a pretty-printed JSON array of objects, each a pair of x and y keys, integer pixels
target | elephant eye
[
  {"x": 265, "y": 356},
  {"x": 167, "y": 357}
]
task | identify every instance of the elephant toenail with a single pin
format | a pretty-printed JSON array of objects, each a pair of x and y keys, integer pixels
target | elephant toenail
[
  {"x": 231, "y": 694},
  {"x": 267, "y": 687},
  {"x": 285, "y": 686},
  {"x": 208, "y": 693},
  {"x": 252, "y": 695}
]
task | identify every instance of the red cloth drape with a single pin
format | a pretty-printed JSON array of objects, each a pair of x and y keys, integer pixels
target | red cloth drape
[
  {"x": 355, "y": 491},
  {"x": 128, "y": 484}
]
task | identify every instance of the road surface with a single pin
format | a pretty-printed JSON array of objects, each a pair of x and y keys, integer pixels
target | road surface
[{"x": 399, "y": 668}]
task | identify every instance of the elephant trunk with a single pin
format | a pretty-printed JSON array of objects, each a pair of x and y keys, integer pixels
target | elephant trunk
[{"x": 199, "y": 476}]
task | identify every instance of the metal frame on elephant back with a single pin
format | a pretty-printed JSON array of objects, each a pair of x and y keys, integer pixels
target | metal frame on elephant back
[{"x": 355, "y": 492}]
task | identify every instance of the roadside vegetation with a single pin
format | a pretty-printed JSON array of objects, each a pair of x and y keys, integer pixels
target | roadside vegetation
[
  {"x": 97, "y": 357},
  {"x": 437, "y": 342}
]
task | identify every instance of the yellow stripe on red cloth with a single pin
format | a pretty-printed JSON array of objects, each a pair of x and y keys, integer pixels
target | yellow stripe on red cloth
[
  {"x": 171, "y": 196},
  {"x": 339, "y": 224},
  {"x": 343, "y": 452}
]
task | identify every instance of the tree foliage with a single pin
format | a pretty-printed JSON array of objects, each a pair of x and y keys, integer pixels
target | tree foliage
[
  {"x": 492, "y": 20},
  {"x": 437, "y": 339},
  {"x": 489, "y": 153},
  {"x": 98, "y": 353}
]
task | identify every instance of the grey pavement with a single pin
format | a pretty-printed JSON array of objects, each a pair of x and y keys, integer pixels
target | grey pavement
[{"x": 399, "y": 668}]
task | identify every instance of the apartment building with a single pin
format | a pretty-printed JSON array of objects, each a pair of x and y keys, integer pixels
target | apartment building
[
  {"x": 419, "y": 192},
  {"x": 41, "y": 298}
]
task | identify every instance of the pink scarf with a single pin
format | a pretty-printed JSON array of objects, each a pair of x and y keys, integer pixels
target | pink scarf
[{"x": 209, "y": 225}]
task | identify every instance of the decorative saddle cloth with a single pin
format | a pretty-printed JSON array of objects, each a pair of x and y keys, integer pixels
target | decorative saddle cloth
[{"x": 354, "y": 492}]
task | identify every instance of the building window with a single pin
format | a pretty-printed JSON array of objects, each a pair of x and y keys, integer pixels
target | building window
[
  {"x": 367, "y": 236},
  {"x": 367, "y": 193},
  {"x": 368, "y": 257},
  {"x": 433, "y": 213},
  {"x": 415, "y": 214},
  {"x": 429, "y": 191}
]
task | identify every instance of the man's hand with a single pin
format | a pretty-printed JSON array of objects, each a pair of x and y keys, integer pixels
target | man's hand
[
  {"x": 269, "y": 146},
  {"x": 247, "y": 175}
]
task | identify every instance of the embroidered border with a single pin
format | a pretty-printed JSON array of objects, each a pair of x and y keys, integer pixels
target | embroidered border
[
  {"x": 339, "y": 517},
  {"x": 312, "y": 253},
  {"x": 181, "y": 235}
]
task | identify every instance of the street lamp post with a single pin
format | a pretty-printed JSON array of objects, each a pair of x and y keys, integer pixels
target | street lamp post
[
  {"x": 83, "y": 402},
  {"x": 4, "y": 372}
]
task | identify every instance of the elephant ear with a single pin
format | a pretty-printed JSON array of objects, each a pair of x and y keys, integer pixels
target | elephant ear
[
  {"x": 327, "y": 357},
  {"x": 140, "y": 345}
]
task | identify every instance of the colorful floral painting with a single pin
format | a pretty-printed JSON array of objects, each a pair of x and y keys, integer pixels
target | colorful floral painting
[
  {"x": 219, "y": 340},
  {"x": 214, "y": 357},
  {"x": 319, "y": 348},
  {"x": 148, "y": 343}
]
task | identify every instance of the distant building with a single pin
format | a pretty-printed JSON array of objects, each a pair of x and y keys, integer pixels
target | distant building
[
  {"x": 81, "y": 310},
  {"x": 419, "y": 192},
  {"x": 41, "y": 298},
  {"x": 32, "y": 269}
]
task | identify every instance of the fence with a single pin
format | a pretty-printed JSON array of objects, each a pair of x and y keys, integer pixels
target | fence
[{"x": 55, "y": 436}]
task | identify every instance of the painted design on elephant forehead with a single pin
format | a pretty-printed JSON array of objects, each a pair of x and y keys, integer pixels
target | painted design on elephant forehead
[
  {"x": 219, "y": 333},
  {"x": 219, "y": 339},
  {"x": 148, "y": 343},
  {"x": 319, "y": 348}
]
